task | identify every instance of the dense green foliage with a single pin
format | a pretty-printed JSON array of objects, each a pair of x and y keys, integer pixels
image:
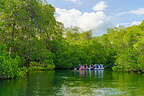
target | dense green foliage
[
  {"x": 26, "y": 27},
  {"x": 31, "y": 39},
  {"x": 10, "y": 66},
  {"x": 129, "y": 46}
]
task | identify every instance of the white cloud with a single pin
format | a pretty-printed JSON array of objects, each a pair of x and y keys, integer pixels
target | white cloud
[
  {"x": 96, "y": 21},
  {"x": 135, "y": 23},
  {"x": 139, "y": 11},
  {"x": 128, "y": 24},
  {"x": 74, "y": 1},
  {"x": 68, "y": 17},
  {"x": 100, "y": 6}
]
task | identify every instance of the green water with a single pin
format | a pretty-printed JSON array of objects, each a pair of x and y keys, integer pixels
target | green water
[{"x": 70, "y": 83}]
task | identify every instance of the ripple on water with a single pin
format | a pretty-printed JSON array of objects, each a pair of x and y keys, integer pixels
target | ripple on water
[{"x": 89, "y": 91}]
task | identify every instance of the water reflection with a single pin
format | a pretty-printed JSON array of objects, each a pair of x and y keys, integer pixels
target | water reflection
[
  {"x": 88, "y": 83},
  {"x": 88, "y": 74},
  {"x": 75, "y": 83}
]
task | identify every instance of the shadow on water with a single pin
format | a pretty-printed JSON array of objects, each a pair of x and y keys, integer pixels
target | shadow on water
[{"x": 75, "y": 83}]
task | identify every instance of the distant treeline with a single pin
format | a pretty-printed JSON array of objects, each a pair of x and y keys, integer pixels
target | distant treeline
[{"x": 31, "y": 39}]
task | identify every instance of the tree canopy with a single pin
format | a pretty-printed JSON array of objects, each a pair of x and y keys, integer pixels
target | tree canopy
[{"x": 32, "y": 39}]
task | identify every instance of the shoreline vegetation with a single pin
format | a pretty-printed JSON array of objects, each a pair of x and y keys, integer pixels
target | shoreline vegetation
[{"x": 31, "y": 40}]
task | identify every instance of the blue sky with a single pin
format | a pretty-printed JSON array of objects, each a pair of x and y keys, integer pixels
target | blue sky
[{"x": 98, "y": 15}]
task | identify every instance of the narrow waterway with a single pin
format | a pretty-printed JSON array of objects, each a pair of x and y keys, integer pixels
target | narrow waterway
[{"x": 75, "y": 83}]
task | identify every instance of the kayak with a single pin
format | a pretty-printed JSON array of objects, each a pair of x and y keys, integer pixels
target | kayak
[{"x": 91, "y": 69}]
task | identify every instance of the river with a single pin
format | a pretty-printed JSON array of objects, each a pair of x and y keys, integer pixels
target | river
[{"x": 75, "y": 83}]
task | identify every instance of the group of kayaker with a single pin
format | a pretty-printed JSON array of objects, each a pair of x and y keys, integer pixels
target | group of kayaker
[{"x": 90, "y": 67}]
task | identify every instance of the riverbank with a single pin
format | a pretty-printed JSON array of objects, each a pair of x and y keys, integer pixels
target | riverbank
[{"x": 22, "y": 72}]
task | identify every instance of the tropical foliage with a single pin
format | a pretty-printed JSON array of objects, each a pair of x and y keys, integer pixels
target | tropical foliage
[{"x": 32, "y": 39}]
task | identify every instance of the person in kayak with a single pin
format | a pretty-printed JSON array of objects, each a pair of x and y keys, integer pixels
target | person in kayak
[
  {"x": 81, "y": 67},
  {"x": 86, "y": 67},
  {"x": 95, "y": 66},
  {"x": 78, "y": 67},
  {"x": 92, "y": 67},
  {"x": 99, "y": 66},
  {"x": 102, "y": 66}
]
